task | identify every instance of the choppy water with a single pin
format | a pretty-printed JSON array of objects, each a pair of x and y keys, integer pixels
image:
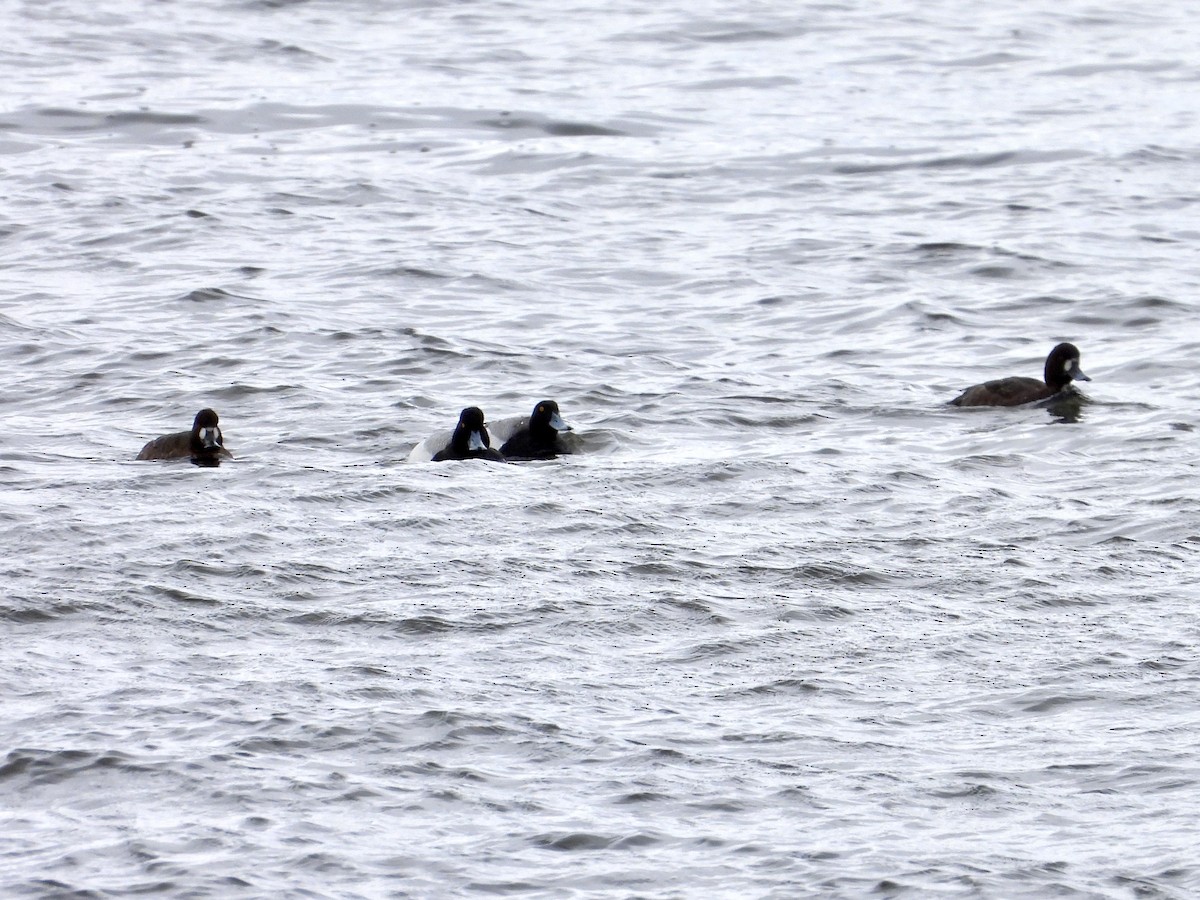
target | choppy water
[{"x": 786, "y": 626}]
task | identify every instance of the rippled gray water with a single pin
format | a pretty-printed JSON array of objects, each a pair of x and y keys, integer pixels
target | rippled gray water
[{"x": 785, "y": 626}]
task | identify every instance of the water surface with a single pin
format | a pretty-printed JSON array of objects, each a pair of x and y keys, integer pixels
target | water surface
[{"x": 785, "y": 626}]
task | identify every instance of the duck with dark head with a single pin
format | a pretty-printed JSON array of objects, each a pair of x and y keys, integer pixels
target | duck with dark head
[
  {"x": 470, "y": 439},
  {"x": 540, "y": 437},
  {"x": 204, "y": 445},
  {"x": 1062, "y": 367}
]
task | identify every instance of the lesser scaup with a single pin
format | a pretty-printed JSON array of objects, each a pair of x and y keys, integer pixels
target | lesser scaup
[
  {"x": 539, "y": 437},
  {"x": 470, "y": 439},
  {"x": 1062, "y": 367},
  {"x": 204, "y": 444}
]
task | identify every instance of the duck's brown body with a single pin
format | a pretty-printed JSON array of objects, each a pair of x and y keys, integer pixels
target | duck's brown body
[
  {"x": 1062, "y": 367},
  {"x": 204, "y": 444}
]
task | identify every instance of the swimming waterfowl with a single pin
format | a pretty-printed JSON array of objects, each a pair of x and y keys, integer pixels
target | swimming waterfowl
[
  {"x": 1062, "y": 367},
  {"x": 539, "y": 437},
  {"x": 204, "y": 444},
  {"x": 470, "y": 439}
]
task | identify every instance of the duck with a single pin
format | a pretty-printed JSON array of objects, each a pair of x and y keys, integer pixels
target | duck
[
  {"x": 204, "y": 444},
  {"x": 1062, "y": 367},
  {"x": 539, "y": 437},
  {"x": 470, "y": 439}
]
